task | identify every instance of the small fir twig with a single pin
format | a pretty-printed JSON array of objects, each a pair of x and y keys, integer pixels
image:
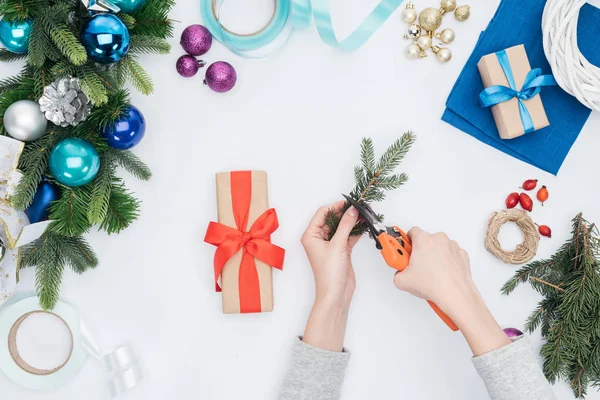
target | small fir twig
[{"x": 373, "y": 180}]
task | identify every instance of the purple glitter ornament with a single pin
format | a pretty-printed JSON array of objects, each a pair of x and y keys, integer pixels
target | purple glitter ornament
[
  {"x": 187, "y": 66},
  {"x": 220, "y": 77},
  {"x": 196, "y": 40},
  {"x": 512, "y": 332}
]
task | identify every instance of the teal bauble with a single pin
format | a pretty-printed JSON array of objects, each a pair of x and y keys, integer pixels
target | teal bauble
[
  {"x": 74, "y": 162},
  {"x": 15, "y": 35},
  {"x": 129, "y": 6}
]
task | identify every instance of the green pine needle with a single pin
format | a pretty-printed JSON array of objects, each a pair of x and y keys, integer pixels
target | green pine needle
[{"x": 372, "y": 179}]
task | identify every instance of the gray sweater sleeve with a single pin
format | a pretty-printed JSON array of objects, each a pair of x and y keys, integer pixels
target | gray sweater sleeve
[
  {"x": 509, "y": 373},
  {"x": 316, "y": 374},
  {"x": 512, "y": 373}
]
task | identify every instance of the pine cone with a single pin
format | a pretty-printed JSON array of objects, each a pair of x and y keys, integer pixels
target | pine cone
[{"x": 64, "y": 103}]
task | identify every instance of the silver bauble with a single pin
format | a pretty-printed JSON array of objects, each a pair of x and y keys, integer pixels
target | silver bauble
[
  {"x": 414, "y": 31},
  {"x": 24, "y": 121}
]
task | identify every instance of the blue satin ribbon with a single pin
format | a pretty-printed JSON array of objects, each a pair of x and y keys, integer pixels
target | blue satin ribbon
[
  {"x": 294, "y": 14},
  {"x": 534, "y": 81}
]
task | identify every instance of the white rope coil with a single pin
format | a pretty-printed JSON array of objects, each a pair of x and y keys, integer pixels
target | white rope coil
[{"x": 572, "y": 71}]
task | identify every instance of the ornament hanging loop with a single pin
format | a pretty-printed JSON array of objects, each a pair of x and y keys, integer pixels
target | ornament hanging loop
[{"x": 100, "y": 6}]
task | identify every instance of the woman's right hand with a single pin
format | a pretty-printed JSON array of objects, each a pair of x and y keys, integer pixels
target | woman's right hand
[{"x": 440, "y": 271}]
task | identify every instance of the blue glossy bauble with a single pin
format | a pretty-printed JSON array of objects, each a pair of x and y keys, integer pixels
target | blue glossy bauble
[
  {"x": 74, "y": 162},
  {"x": 127, "y": 130},
  {"x": 129, "y": 6},
  {"x": 105, "y": 38},
  {"x": 15, "y": 35},
  {"x": 46, "y": 193}
]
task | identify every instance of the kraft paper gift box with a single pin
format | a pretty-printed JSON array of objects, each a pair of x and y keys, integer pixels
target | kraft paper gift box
[
  {"x": 506, "y": 114},
  {"x": 245, "y": 256}
]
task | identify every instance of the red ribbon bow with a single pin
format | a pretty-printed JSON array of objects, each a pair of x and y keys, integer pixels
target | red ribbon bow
[{"x": 256, "y": 242}]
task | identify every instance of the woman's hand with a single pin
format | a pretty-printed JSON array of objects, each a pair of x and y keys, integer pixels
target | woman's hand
[
  {"x": 440, "y": 271},
  {"x": 334, "y": 277}
]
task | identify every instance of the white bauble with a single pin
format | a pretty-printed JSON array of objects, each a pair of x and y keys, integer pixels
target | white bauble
[
  {"x": 413, "y": 51},
  {"x": 447, "y": 36},
  {"x": 409, "y": 15},
  {"x": 24, "y": 121},
  {"x": 424, "y": 42},
  {"x": 444, "y": 55}
]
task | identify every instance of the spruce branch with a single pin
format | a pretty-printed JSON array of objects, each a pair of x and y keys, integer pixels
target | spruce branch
[
  {"x": 569, "y": 314},
  {"x": 101, "y": 189},
  {"x": 123, "y": 209},
  {"x": 372, "y": 179},
  {"x": 146, "y": 44},
  {"x": 34, "y": 165},
  {"x": 9, "y": 56},
  {"x": 136, "y": 74},
  {"x": 69, "y": 212},
  {"x": 49, "y": 255},
  {"x": 132, "y": 164}
]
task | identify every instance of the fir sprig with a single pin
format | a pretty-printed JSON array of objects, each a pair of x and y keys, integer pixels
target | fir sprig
[
  {"x": 569, "y": 314},
  {"x": 372, "y": 179},
  {"x": 50, "y": 254}
]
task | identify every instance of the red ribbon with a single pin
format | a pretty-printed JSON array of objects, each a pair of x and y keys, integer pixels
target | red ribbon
[{"x": 256, "y": 242}]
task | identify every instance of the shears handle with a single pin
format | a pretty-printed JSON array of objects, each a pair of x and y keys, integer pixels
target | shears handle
[{"x": 396, "y": 252}]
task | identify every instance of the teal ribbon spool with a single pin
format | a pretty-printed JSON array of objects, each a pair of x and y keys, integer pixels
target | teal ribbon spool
[
  {"x": 287, "y": 16},
  {"x": 534, "y": 81}
]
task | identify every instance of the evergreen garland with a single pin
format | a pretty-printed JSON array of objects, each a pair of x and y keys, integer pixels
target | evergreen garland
[
  {"x": 56, "y": 52},
  {"x": 373, "y": 179},
  {"x": 569, "y": 314}
]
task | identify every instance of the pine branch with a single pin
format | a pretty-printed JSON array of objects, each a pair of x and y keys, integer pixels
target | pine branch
[
  {"x": 49, "y": 255},
  {"x": 92, "y": 85},
  {"x": 101, "y": 188},
  {"x": 45, "y": 254},
  {"x": 569, "y": 314},
  {"x": 136, "y": 74},
  {"x": 132, "y": 164},
  {"x": 373, "y": 180},
  {"x": 123, "y": 209},
  {"x": 34, "y": 165},
  {"x": 9, "y": 56},
  {"x": 69, "y": 213},
  {"x": 68, "y": 44},
  {"x": 145, "y": 44},
  {"x": 38, "y": 42}
]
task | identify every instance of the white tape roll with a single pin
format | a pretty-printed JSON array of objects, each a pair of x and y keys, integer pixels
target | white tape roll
[{"x": 11, "y": 315}]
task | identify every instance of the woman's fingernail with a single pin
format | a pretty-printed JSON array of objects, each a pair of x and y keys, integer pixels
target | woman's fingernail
[{"x": 352, "y": 211}]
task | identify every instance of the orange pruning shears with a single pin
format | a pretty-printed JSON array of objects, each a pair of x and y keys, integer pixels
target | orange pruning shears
[{"x": 395, "y": 247}]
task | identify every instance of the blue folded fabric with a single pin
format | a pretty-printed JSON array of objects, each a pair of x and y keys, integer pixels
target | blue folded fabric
[{"x": 519, "y": 22}]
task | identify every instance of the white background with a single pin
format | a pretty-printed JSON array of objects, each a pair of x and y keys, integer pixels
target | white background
[{"x": 299, "y": 115}]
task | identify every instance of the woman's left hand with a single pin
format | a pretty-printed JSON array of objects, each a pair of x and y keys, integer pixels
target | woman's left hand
[{"x": 334, "y": 277}]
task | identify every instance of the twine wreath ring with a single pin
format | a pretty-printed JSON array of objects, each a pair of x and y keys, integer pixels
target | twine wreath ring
[{"x": 524, "y": 251}]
